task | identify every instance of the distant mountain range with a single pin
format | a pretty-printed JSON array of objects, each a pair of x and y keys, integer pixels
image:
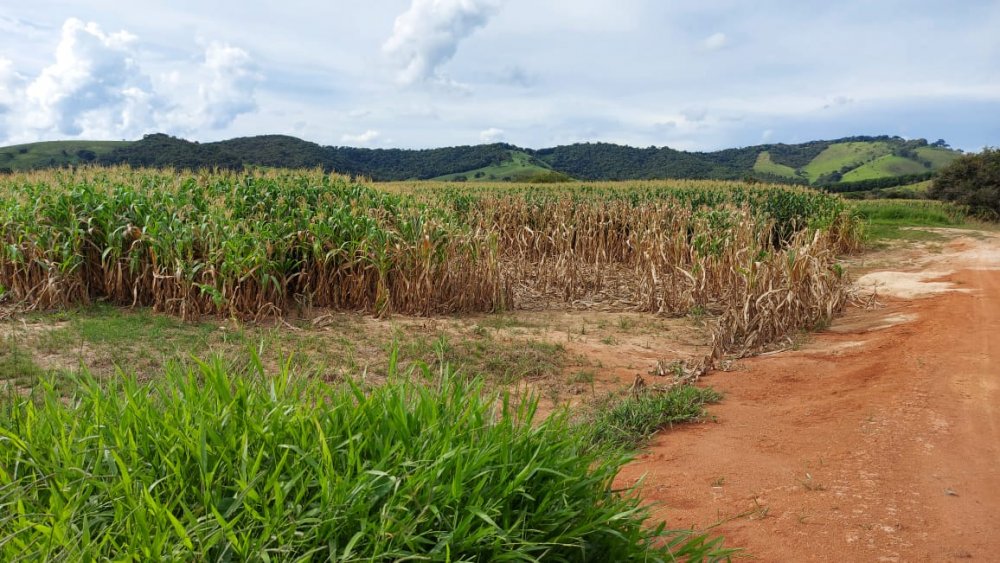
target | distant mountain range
[{"x": 840, "y": 164}]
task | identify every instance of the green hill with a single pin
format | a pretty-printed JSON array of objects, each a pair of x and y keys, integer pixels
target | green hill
[
  {"x": 883, "y": 166},
  {"x": 765, "y": 165},
  {"x": 55, "y": 154},
  {"x": 519, "y": 167},
  {"x": 848, "y": 164},
  {"x": 842, "y": 157},
  {"x": 938, "y": 157}
]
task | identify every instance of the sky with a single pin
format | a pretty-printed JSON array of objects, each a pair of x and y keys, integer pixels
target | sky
[{"x": 692, "y": 75}]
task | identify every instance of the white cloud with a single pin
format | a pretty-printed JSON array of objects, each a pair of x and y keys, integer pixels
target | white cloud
[
  {"x": 427, "y": 35},
  {"x": 94, "y": 88},
  {"x": 545, "y": 72},
  {"x": 491, "y": 135},
  {"x": 227, "y": 90},
  {"x": 365, "y": 138},
  {"x": 715, "y": 41}
]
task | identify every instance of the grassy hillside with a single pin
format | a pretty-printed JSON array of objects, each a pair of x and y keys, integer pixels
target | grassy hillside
[
  {"x": 938, "y": 157},
  {"x": 55, "y": 153},
  {"x": 848, "y": 164},
  {"x": 839, "y": 156},
  {"x": 916, "y": 190},
  {"x": 883, "y": 166},
  {"x": 765, "y": 165},
  {"x": 519, "y": 167}
]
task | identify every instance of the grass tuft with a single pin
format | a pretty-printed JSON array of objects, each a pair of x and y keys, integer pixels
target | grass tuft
[{"x": 627, "y": 422}]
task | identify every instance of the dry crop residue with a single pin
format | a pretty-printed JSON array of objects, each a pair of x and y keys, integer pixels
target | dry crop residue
[{"x": 877, "y": 441}]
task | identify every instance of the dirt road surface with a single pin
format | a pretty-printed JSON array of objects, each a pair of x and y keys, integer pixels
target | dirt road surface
[{"x": 878, "y": 440}]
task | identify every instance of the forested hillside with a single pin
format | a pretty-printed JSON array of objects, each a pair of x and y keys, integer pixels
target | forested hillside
[{"x": 853, "y": 163}]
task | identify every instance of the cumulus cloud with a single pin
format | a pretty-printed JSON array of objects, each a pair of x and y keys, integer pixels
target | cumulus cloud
[
  {"x": 228, "y": 90},
  {"x": 96, "y": 88},
  {"x": 491, "y": 135},
  {"x": 215, "y": 93},
  {"x": 365, "y": 138},
  {"x": 715, "y": 41},
  {"x": 427, "y": 35}
]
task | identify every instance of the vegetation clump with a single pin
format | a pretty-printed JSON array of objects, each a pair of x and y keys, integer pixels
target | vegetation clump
[
  {"x": 628, "y": 422},
  {"x": 214, "y": 465},
  {"x": 972, "y": 180}
]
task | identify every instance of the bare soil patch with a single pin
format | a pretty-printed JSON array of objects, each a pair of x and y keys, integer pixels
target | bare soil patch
[
  {"x": 878, "y": 440},
  {"x": 565, "y": 357}
]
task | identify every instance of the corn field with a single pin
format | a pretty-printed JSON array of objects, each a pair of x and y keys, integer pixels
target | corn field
[
  {"x": 254, "y": 244},
  {"x": 236, "y": 244}
]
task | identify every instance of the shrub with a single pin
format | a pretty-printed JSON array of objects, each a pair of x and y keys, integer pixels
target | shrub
[{"x": 972, "y": 180}]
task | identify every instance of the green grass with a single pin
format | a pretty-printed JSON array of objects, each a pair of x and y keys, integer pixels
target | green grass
[
  {"x": 213, "y": 465},
  {"x": 878, "y": 233},
  {"x": 912, "y": 191},
  {"x": 892, "y": 219},
  {"x": 52, "y": 153},
  {"x": 911, "y": 212},
  {"x": 939, "y": 158},
  {"x": 885, "y": 167},
  {"x": 17, "y": 367},
  {"x": 840, "y": 155},
  {"x": 504, "y": 361},
  {"x": 765, "y": 165},
  {"x": 627, "y": 422},
  {"x": 520, "y": 168},
  {"x": 105, "y": 337},
  {"x": 916, "y": 190},
  {"x": 114, "y": 326}
]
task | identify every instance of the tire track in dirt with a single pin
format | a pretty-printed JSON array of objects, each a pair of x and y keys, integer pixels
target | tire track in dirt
[{"x": 878, "y": 441}]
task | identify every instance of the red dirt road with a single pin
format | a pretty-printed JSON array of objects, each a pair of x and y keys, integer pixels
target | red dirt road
[{"x": 871, "y": 443}]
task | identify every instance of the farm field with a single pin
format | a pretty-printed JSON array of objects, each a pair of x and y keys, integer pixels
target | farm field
[{"x": 400, "y": 305}]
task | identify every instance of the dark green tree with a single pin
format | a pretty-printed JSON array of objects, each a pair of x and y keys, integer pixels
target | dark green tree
[{"x": 973, "y": 180}]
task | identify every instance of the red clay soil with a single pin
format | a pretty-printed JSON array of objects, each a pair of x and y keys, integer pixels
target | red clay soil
[{"x": 871, "y": 443}]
